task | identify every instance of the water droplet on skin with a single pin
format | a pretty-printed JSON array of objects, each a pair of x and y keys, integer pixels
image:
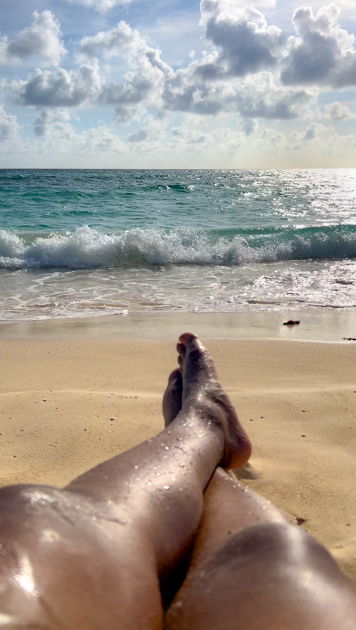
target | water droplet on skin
[
  {"x": 166, "y": 487},
  {"x": 158, "y": 474},
  {"x": 138, "y": 478},
  {"x": 182, "y": 465},
  {"x": 166, "y": 448},
  {"x": 169, "y": 432},
  {"x": 162, "y": 444},
  {"x": 180, "y": 489},
  {"x": 136, "y": 467},
  {"x": 173, "y": 478},
  {"x": 149, "y": 483}
]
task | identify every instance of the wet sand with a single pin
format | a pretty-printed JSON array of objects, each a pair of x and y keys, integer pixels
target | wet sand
[{"x": 70, "y": 399}]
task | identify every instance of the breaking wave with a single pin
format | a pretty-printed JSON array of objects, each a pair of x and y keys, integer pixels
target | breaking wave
[{"x": 86, "y": 248}]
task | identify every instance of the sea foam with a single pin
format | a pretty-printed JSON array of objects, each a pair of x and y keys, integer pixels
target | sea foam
[{"x": 86, "y": 248}]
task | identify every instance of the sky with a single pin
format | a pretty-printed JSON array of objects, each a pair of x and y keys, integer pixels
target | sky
[{"x": 177, "y": 84}]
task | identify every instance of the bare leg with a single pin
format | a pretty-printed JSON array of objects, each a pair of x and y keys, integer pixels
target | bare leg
[
  {"x": 251, "y": 569},
  {"x": 92, "y": 556}
]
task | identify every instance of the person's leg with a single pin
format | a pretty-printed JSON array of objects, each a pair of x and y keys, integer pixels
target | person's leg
[
  {"x": 251, "y": 570},
  {"x": 91, "y": 556}
]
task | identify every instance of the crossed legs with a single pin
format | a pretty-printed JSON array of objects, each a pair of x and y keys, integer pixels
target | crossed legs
[
  {"x": 95, "y": 555},
  {"x": 92, "y": 556},
  {"x": 252, "y": 570}
]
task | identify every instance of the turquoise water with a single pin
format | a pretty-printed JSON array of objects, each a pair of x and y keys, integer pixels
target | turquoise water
[{"x": 79, "y": 243}]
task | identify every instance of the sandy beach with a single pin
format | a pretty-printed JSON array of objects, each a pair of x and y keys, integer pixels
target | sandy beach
[{"x": 71, "y": 399}]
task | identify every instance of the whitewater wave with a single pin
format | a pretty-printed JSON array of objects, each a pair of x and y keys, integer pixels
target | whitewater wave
[{"x": 86, "y": 248}]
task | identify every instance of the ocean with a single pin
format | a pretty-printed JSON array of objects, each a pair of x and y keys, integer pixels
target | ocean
[{"x": 84, "y": 243}]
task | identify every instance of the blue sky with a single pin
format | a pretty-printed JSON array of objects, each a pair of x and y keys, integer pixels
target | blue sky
[{"x": 177, "y": 84}]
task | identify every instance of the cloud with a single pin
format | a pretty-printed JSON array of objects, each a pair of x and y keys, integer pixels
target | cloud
[
  {"x": 152, "y": 131},
  {"x": 100, "y": 5},
  {"x": 59, "y": 88},
  {"x": 322, "y": 53},
  {"x": 322, "y": 140},
  {"x": 142, "y": 88},
  {"x": 242, "y": 44},
  {"x": 250, "y": 98},
  {"x": 244, "y": 40},
  {"x": 143, "y": 84},
  {"x": 40, "y": 40},
  {"x": 337, "y": 111},
  {"x": 47, "y": 118},
  {"x": 100, "y": 140},
  {"x": 185, "y": 93},
  {"x": 131, "y": 96},
  {"x": 272, "y": 139},
  {"x": 249, "y": 126},
  {"x": 190, "y": 136},
  {"x": 122, "y": 39},
  {"x": 266, "y": 99},
  {"x": 8, "y": 126}
]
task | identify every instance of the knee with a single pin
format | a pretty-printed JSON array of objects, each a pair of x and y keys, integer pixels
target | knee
[
  {"x": 277, "y": 543},
  {"x": 18, "y": 503}
]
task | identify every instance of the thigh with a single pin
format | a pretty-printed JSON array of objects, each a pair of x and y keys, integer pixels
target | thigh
[
  {"x": 266, "y": 577},
  {"x": 251, "y": 570},
  {"x": 64, "y": 565}
]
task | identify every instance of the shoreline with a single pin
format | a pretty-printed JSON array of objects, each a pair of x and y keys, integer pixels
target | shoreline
[{"x": 319, "y": 324}]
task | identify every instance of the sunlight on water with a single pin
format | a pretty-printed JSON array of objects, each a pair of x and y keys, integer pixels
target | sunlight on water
[{"x": 83, "y": 243}]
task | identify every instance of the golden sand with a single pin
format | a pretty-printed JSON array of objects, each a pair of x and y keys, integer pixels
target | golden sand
[{"x": 67, "y": 405}]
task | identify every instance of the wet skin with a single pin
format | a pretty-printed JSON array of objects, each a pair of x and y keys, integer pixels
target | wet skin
[
  {"x": 92, "y": 556},
  {"x": 96, "y": 554},
  {"x": 250, "y": 568}
]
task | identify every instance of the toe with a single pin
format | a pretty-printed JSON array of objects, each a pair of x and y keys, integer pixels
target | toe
[
  {"x": 187, "y": 337},
  {"x": 172, "y": 397}
]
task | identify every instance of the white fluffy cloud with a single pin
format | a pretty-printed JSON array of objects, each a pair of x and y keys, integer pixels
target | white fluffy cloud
[
  {"x": 244, "y": 41},
  {"x": 151, "y": 131},
  {"x": 249, "y": 73},
  {"x": 337, "y": 111},
  {"x": 122, "y": 39},
  {"x": 100, "y": 5},
  {"x": 42, "y": 40},
  {"x": 143, "y": 84},
  {"x": 264, "y": 98},
  {"x": 142, "y": 88},
  {"x": 59, "y": 88},
  {"x": 322, "y": 53},
  {"x": 8, "y": 126},
  {"x": 99, "y": 140},
  {"x": 46, "y": 119}
]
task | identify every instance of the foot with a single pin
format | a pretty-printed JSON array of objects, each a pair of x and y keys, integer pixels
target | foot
[
  {"x": 196, "y": 387},
  {"x": 172, "y": 397}
]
